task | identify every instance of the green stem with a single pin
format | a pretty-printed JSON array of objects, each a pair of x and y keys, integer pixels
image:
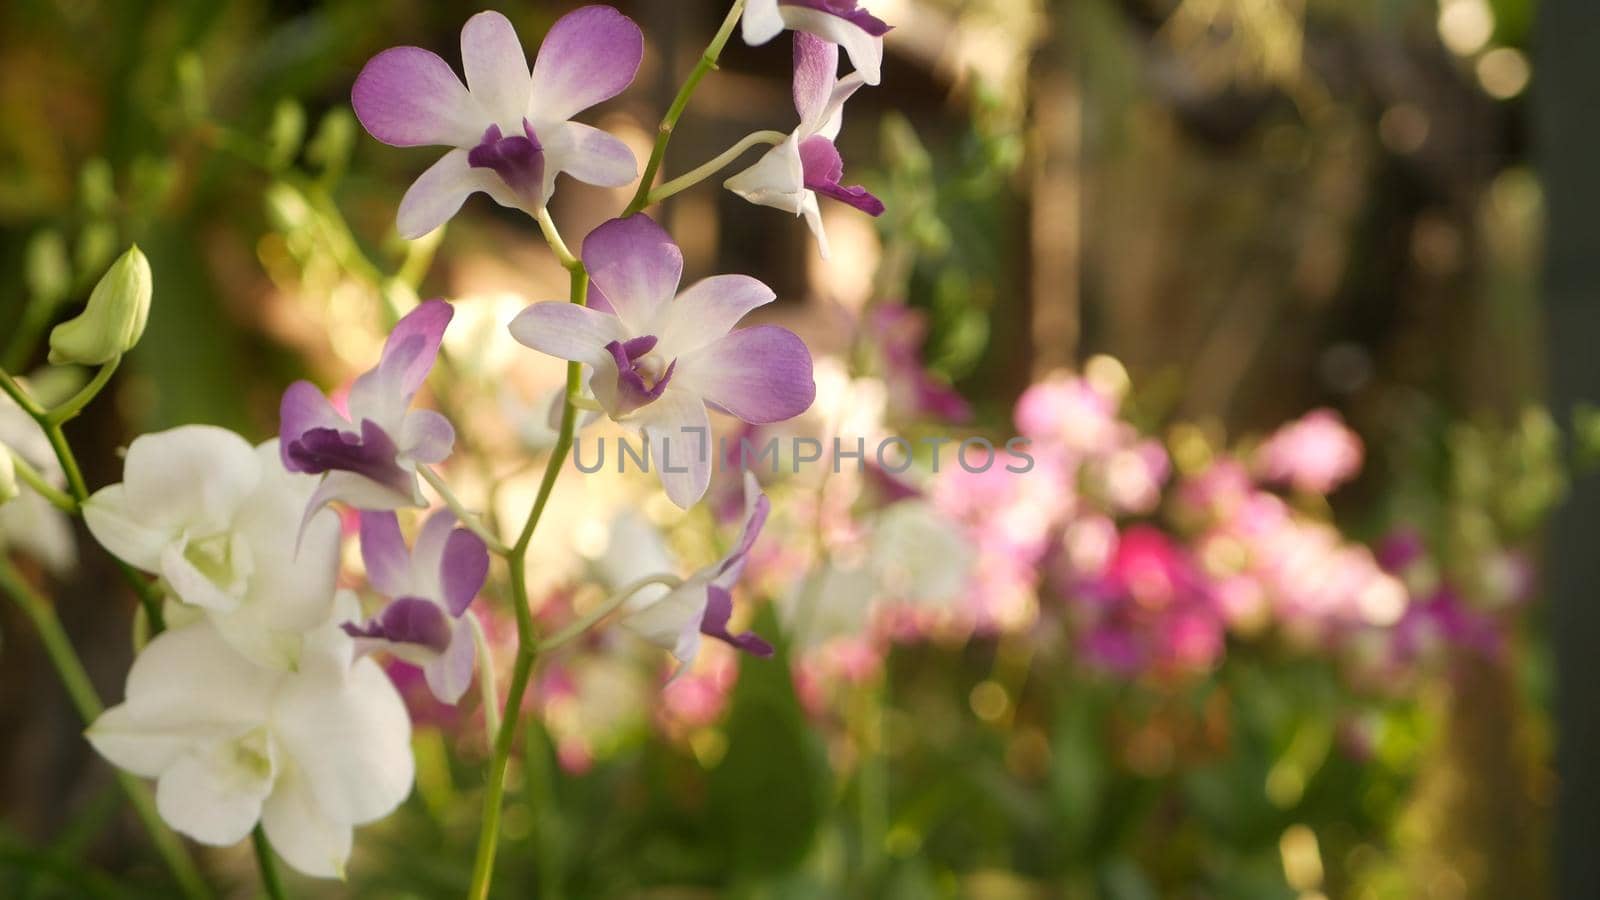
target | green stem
[
  {"x": 708, "y": 61},
  {"x": 58, "y": 647},
  {"x": 527, "y": 647},
  {"x": 271, "y": 882},
  {"x": 16, "y": 392},
  {"x": 612, "y": 604},
  {"x": 471, "y": 520},
  {"x": 683, "y": 182},
  {"x": 72, "y": 407},
  {"x": 31, "y": 477}
]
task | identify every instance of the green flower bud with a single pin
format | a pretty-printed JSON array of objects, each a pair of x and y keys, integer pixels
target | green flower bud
[
  {"x": 114, "y": 319},
  {"x": 8, "y": 477}
]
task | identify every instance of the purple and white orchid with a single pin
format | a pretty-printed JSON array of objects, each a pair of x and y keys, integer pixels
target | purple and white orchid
[
  {"x": 430, "y": 588},
  {"x": 510, "y": 130},
  {"x": 791, "y": 175},
  {"x": 703, "y": 604},
  {"x": 369, "y": 458},
  {"x": 843, "y": 23},
  {"x": 659, "y": 358}
]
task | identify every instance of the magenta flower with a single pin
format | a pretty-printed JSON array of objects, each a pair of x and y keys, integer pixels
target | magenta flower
[
  {"x": 370, "y": 457},
  {"x": 703, "y": 604},
  {"x": 510, "y": 130},
  {"x": 430, "y": 588},
  {"x": 791, "y": 175},
  {"x": 660, "y": 358},
  {"x": 842, "y": 23}
]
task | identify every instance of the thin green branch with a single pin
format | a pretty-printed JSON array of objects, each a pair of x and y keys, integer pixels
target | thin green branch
[
  {"x": 471, "y": 520},
  {"x": 708, "y": 62},
  {"x": 40, "y": 485},
  {"x": 612, "y": 604},
  {"x": 723, "y": 159},
  {"x": 70, "y": 409},
  {"x": 58, "y": 647}
]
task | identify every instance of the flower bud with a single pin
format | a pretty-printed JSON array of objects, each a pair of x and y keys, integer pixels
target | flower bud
[
  {"x": 8, "y": 477},
  {"x": 114, "y": 319}
]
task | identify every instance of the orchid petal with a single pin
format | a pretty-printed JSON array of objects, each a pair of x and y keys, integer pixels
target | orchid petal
[
  {"x": 719, "y": 610},
  {"x": 706, "y": 311},
  {"x": 497, "y": 69},
  {"x": 776, "y": 180},
  {"x": 409, "y": 353},
  {"x": 568, "y": 331},
  {"x": 409, "y": 97},
  {"x": 588, "y": 154},
  {"x": 760, "y": 374},
  {"x": 637, "y": 266},
  {"x": 426, "y": 436},
  {"x": 214, "y": 796},
  {"x": 303, "y": 408},
  {"x": 301, "y": 832},
  {"x": 351, "y": 739},
  {"x": 463, "y": 570},
  {"x": 816, "y": 68},
  {"x": 679, "y": 433},
  {"x": 450, "y": 674},
  {"x": 438, "y": 193},
  {"x": 292, "y": 587},
  {"x": 384, "y": 553},
  {"x": 589, "y": 56},
  {"x": 864, "y": 48},
  {"x": 761, "y": 23},
  {"x": 124, "y": 529},
  {"x": 197, "y": 475}
]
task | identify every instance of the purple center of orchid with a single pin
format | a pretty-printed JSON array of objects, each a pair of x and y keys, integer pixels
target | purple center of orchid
[
  {"x": 642, "y": 375},
  {"x": 408, "y": 620},
  {"x": 823, "y": 168},
  {"x": 371, "y": 454},
  {"x": 518, "y": 160},
  {"x": 848, "y": 10}
]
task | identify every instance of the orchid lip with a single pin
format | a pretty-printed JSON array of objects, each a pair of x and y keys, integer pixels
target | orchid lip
[
  {"x": 519, "y": 161},
  {"x": 641, "y": 379},
  {"x": 371, "y": 454},
  {"x": 848, "y": 10}
]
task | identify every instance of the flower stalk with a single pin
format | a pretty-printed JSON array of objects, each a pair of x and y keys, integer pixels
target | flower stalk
[{"x": 722, "y": 160}]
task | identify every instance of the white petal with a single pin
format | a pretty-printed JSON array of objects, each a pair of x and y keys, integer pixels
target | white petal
[
  {"x": 706, "y": 311},
  {"x": 193, "y": 586},
  {"x": 497, "y": 69},
  {"x": 351, "y": 739},
  {"x": 588, "y": 154},
  {"x": 776, "y": 180},
  {"x": 214, "y": 793},
  {"x": 813, "y": 216},
  {"x": 301, "y": 832},
  {"x": 568, "y": 331},
  {"x": 292, "y": 587},
  {"x": 673, "y": 622},
  {"x": 679, "y": 432},
  {"x": 126, "y": 534},
  {"x": 831, "y": 117},
  {"x": 30, "y": 525},
  {"x": 864, "y": 50},
  {"x": 761, "y": 22},
  {"x": 195, "y": 475},
  {"x": 438, "y": 193}
]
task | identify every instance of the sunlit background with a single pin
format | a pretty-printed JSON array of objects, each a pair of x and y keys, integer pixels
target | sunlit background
[{"x": 1260, "y": 278}]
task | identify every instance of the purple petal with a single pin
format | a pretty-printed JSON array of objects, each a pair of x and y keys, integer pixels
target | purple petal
[
  {"x": 518, "y": 160},
  {"x": 816, "y": 67},
  {"x": 409, "y": 97},
  {"x": 372, "y": 455},
  {"x": 568, "y": 331},
  {"x": 427, "y": 554},
  {"x": 760, "y": 374},
  {"x": 408, "y": 356},
  {"x": 848, "y": 10},
  {"x": 302, "y": 409},
  {"x": 384, "y": 553},
  {"x": 407, "y": 620},
  {"x": 756, "y": 509},
  {"x": 463, "y": 570},
  {"x": 636, "y": 265},
  {"x": 708, "y": 310},
  {"x": 426, "y": 436},
  {"x": 497, "y": 69},
  {"x": 824, "y": 167},
  {"x": 590, "y": 155},
  {"x": 589, "y": 56},
  {"x": 450, "y": 674},
  {"x": 719, "y": 609}
]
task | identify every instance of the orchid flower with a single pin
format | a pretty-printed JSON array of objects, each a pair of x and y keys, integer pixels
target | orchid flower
[
  {"x": 308, "y": 753},
  {"x": 791, "y": 175},
  {"x": 842, "y": 23},
  {"x": 510, "y": 130},
  {"x": 660, "y": 358},
  {"x": 703, "y": 604},
  {"x": 217, "y": 520},
  {"x": 430, "y": 587},
  {"x": 369, "y": 458}
]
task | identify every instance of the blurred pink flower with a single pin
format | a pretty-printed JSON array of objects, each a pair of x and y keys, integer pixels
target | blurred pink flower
[{"x": 1316, "y": 453}]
